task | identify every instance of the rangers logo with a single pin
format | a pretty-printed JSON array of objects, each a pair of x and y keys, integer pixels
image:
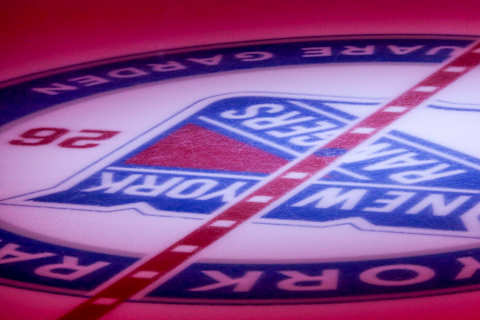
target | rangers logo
[
  {"x": 228, "y": 145},
  {"x": 303, "y": 170}
]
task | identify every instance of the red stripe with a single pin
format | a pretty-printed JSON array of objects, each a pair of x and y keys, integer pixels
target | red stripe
[
  {"x": 246, "y": 207},
  {"x": 410, "y": 99}
]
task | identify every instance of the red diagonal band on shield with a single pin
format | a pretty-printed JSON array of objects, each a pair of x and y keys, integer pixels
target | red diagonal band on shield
[{"x": 289, "y": 177}]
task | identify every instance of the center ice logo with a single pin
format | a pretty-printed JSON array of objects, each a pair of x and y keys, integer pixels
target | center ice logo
[{"x": 206, "y": 159}]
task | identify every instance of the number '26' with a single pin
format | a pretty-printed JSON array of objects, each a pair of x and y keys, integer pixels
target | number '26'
[{"x": 43, "y": 136}]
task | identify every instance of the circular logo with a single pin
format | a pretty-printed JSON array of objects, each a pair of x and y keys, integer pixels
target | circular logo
[{"x": 288, "y": 171}]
